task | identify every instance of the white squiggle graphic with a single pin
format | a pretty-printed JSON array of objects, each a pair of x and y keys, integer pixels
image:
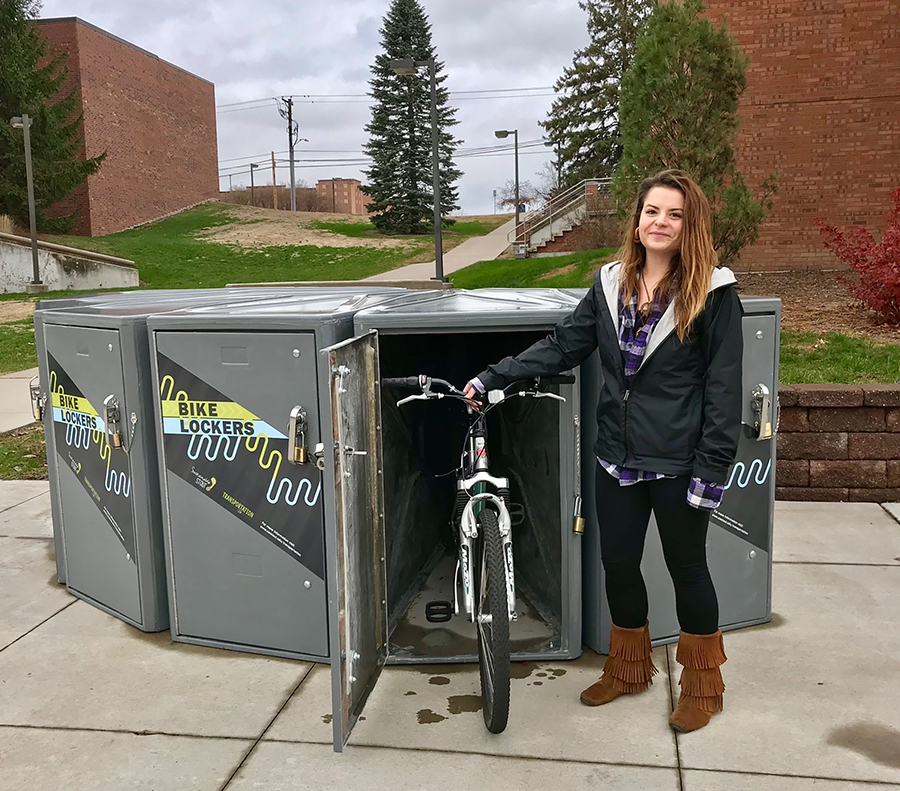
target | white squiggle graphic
[
  {"x": 118, "y": 482},
  {"x": 197, "y": 440},
  {"x": 79, "y": 436},
  {"x": 287, "y": 497},
  {"x": 745, "y": 474}
]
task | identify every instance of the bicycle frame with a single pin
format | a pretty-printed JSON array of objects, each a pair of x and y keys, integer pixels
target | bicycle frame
[{"x": 476, "y": 482}]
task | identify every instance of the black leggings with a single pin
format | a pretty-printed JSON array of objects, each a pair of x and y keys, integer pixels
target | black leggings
[{"x": 623, "y": 513}]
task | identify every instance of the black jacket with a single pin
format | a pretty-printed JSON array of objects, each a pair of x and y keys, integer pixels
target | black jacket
[{"x": 683, "y": 412}]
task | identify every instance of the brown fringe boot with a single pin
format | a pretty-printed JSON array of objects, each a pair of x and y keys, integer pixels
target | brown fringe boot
[
  {"x": 628, "y": 667},
  {"x": 701, "y": 680}
]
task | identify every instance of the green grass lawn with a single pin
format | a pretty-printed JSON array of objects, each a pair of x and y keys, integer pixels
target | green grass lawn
[
  {"x": 23, "y": 455},
  {"x": 575, "y": 270},
  {"x": 809, "y": 358},
  {"x": 459, "y": 231},
  {"x": 169, "y": 255},
  {"x": 17, "y": 352}
]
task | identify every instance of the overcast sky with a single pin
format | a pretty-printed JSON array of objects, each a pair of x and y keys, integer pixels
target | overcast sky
[{"x": 255, "y": 50}]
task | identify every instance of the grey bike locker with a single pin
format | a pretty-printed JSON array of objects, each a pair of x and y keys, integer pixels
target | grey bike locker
[
  {"x": 249, "y": 536},
  {"x": 739, "y": 541},
  {"x": 454, "y": 335},
  {"x": 105, "y": 500}
]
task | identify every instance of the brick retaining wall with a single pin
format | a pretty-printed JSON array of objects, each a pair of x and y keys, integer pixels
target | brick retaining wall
[{"x": 839, "y": 442}]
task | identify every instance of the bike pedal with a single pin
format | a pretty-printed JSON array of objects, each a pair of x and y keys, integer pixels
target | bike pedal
[{"x": 438, "y": 611}]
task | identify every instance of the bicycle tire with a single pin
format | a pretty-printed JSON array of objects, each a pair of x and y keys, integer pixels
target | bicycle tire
[{"x": 493, "y": 638}]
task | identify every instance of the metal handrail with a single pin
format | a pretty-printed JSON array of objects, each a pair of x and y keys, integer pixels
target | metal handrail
[{"x": 557, "y": 205}]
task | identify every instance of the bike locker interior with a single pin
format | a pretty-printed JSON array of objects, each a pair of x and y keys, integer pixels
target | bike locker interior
[
  {"x": 739, "y": 541},
  {"x": 96, "y": 405},
  {"x": 242, "y": 400},
  {"x": 454, "y": 335}
]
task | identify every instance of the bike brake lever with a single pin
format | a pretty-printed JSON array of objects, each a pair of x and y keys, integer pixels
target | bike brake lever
[
  {"x": 423, "y": 397},
  {"x": 542, "y": 395}
]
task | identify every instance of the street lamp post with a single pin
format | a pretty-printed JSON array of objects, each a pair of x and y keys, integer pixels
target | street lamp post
[
  {"x": 503, "y": 134},
  {"x": 23, "y": 122},
  {"x": 253, "y": 166},
  {"x": 406, "y": 68}
]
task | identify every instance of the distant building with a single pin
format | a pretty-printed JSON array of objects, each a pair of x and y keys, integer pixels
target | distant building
[
  {"x": 342, "y": 196},
  {"x": 822, "y": 106},
  {"x": 156, "y": 122}
]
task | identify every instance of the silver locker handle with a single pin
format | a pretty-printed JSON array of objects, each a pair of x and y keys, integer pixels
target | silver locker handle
[{"x": 762, "y": 405}]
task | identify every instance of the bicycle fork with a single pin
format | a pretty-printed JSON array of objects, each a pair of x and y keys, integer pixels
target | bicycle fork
[{"x": 468, "y": 535}]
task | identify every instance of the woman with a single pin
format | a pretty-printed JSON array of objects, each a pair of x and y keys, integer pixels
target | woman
[{"x": 667, "y": 323}]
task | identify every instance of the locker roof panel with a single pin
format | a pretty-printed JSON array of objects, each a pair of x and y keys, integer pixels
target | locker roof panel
[
  {"x": 299, "y": 311},
  {"x": 469, "y": 310}
]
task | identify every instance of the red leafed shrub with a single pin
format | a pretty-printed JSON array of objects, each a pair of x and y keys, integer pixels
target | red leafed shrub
[{"x": 876, "y": 264}]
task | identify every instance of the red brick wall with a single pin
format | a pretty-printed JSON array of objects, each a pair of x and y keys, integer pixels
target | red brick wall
[
  {"x": 822, "y": 105},
  {"x": 839, "y": 442},
  {"x": 155, "y": 121}
]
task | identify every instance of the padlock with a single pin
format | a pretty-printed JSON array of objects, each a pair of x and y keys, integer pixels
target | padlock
[
  {"x": 117, "y": 439},
  {"x": 300, "y": 452}
]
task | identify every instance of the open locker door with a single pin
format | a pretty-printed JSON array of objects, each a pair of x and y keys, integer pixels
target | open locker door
[{"x": 359, "y": 516}]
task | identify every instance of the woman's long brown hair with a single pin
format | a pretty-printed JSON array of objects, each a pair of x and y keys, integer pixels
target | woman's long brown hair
[{"x": 692, "y": 266}]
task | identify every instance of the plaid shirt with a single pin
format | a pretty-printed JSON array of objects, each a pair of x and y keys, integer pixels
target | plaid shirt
[{"x": 633, "y": 339}]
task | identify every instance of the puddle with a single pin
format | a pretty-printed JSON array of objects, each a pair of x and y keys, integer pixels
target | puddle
[
  {"x": 458, "y": 704},
  {"x": 411, "y": 692},
  {"x": 429, "y": 717},
  {"x": 439, "y": 681},
  {"x": 326, "y": 718},
  {"x": 875, "y": 741}
]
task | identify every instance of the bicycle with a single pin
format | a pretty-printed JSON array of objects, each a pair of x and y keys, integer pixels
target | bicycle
[{"x": 484, "y": 568}]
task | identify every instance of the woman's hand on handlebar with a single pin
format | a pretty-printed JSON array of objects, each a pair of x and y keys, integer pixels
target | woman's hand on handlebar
[{"x": 471, "y": 395}]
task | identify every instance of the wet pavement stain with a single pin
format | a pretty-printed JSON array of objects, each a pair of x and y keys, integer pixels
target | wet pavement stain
[
  {"x": 541, "y": 675},
  {"x": 877, "y": 742},
  {"x": 557, "y": 672},
  {"x": 459, "y": 704},
  {"x": 411, "y": 692},
  {"x": 326, "y": 718},
  {"x": 429, "y": 717},
  {"x": 439, "y": 681},
  {"x": 537, "y": 683},
  {"x": 522, "y": 670}
]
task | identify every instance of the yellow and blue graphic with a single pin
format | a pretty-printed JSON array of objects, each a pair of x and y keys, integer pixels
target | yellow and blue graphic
[
  {"x": 82, "y": 445},
  {"x": 238, "y": 460}
]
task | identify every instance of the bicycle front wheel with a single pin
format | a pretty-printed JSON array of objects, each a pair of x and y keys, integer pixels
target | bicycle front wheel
[{"x": 492, "y": 621}]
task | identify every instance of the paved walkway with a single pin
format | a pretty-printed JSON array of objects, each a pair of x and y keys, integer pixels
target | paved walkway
[
  {"x": 479, "y": 248},
  {"x": 15, "y": 400},
  {"x": 87, "y": 702}
]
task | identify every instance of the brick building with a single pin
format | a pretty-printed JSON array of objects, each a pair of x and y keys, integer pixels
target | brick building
[
  {"x": 342, "y": 196},
  {"x": 822, "y": 105},
  {"x": 155, "y": 121}
]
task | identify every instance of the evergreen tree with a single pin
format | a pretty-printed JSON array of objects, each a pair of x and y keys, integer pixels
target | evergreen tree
[
  {"x": 31, "y": 84},
  {"x": 400, "y": 178},
  {"x": 584, "y": 122},
  {"x": 679, "y": 110}
]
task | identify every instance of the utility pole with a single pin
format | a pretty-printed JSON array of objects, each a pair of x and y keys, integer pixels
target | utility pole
[
  {"x": 333, "y": 202},
  {"x": 229, "y": 182},
  {"x": 495, "y": 201},
  {"x": 274, "y": 189},
  {"x": 292, "y": 133},
  {"x": 253, "y": 166}
]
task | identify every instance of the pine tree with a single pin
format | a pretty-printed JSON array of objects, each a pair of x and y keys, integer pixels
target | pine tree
[
  {"x": 584, "y": 122},
  {"x": 31, "y": 84},
  {"x": 400, "y": 178},
  {"x": 679, "y": 110}
]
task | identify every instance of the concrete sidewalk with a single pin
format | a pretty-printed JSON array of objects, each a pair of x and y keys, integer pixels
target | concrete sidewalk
[
  {"x": 479, "y": 248},
  {"x": 15, "y": 400},
  {"x": 87, "y": 702}
]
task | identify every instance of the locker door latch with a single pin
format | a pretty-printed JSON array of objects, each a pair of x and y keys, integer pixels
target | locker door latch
[
  {"x": 38, "y": 399},
  {"x": 297, "y": 425},
  {"x": 112, "y": 417},
  {"x": 761, "y": 405}
]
